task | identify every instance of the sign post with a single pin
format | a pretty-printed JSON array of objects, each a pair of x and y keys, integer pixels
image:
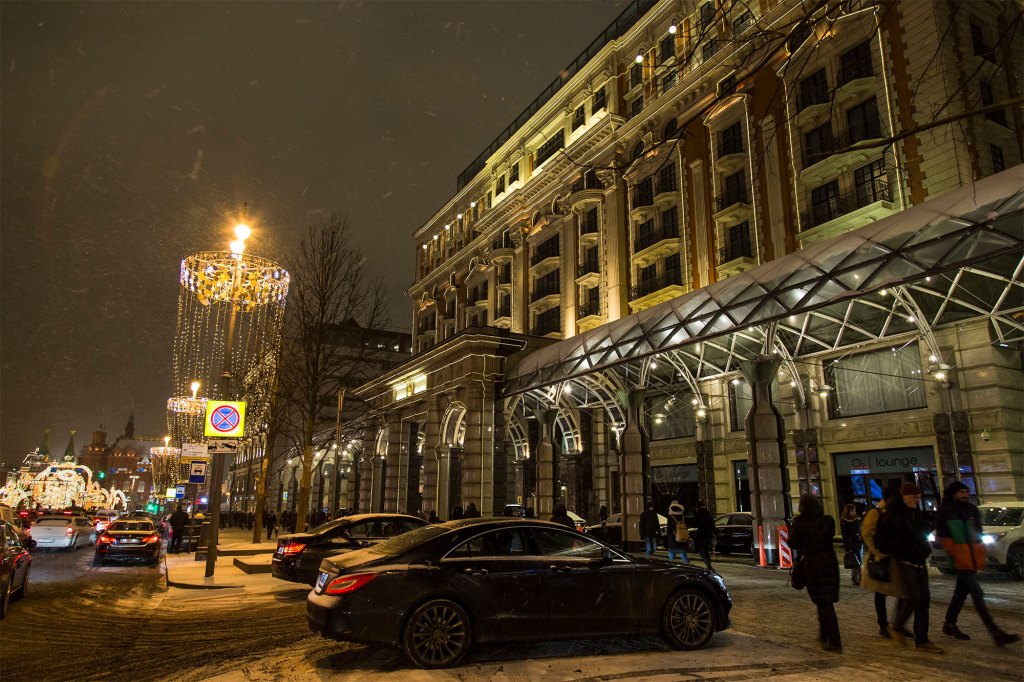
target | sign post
[{"x": 224, "y": 419}]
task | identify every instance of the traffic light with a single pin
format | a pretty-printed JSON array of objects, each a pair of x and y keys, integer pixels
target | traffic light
[{"x": 103, "y": 474}]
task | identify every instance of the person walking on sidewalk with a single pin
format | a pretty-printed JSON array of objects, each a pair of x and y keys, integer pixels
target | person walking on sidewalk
[
  {"x": 849, "y": 525},
  {"x": 561, "y": 515},
  {"x": 271, "y": 523},
  {"x": 882, "y": 589},
  {"x": 903, "y": 532},
  {"x": 649, "y": 527},
  {"x": 178, "y": 520},
  {"x": 678, "y": 535},
  {"x": 812, "y": 537},
  {"x": 705, "y": 533},
  {"x": 959, "y": 531}
]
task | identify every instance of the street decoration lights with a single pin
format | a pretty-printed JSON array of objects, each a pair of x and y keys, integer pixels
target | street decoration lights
[{"x": 166, "y": 463}]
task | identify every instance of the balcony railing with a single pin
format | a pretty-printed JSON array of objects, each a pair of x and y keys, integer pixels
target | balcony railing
[
  {"x": 649, "y": 286},
  {"x": 546, "y": 326},
  {"x": 863, "y": 195},
  {"x": 841, "y": 141},
  {"x": 503, "y": 311},
  {"x": 734, "y": 251},
  {"x": 811, "y": 96},
  {"x": 853, "y": 70},
  {"x": 502, "y": 242},
  {"x": 587, "y": 266},
  {"x": 587, "y": 181},
  {"x": 732, "y": 145},
  {"x": 543, "y": 253},
  {"x": 587, "y": 309},
  {"x": 654, "y": 236},
  {"x": 727, "y": 199},
  {"x": 545, "y": 289},
  {"x": 588, "y": 227}
]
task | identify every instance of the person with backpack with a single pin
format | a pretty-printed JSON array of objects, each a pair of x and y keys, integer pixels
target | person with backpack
[
  {"x": 678, "y": 538},
  {"x": 903, "y": 532}
]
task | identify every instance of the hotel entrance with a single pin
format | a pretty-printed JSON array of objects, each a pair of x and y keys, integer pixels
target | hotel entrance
[{"x": 863, "y": 477}]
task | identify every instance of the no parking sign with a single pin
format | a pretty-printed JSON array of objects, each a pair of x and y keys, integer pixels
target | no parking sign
[{"x": 224, "y": 419}]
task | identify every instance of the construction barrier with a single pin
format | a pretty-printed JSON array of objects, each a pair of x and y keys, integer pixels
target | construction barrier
[
  {"x": 785, "y": 553},
  {"x": 760, "y": 546}
]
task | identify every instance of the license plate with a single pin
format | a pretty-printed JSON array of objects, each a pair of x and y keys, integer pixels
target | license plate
[
  {"x": 131, "y": 541},
  {"x": 320, "y": 582},
  {"x": 45, "y": 539}
]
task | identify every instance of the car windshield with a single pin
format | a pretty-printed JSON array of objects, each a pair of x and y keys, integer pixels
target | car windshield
[
  {"x": 131, "y": 525},
  {"x": 401, "y": 543},
  {"x": 54, "y": 521},
  {"x": 1001, "y": 516}
]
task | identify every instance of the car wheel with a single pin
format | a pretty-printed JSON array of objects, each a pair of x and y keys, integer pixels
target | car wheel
[
  {"x": 688, "y": 621},
  {"x": 437, "y": 634},
  {"x": 1015, "y": 560},
  {"x": 97, "y": 560},
  {"x": 153, "y": 562}
]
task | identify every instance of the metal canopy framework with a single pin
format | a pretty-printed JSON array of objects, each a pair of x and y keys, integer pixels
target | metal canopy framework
[{"x": 955, "y": 258}]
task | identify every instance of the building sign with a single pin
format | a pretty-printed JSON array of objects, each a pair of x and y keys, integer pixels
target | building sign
[
  {"x": 193, "y": 450},
  {"x": 898, "y": 461},
  {"x": 677, "y": 473},
  {"x": 224, "y": 419},
  {"x": 171, "y": 493}
]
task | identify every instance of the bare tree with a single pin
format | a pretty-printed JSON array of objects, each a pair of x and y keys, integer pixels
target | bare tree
[{"x": 333, "y": 307}]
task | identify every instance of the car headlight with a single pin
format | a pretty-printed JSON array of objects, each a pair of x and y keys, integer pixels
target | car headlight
[
  {"x": 991, "y": 538},
  {"x": 931, "y": 537}
]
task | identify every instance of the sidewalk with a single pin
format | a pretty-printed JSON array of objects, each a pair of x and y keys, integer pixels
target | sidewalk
[{"x": 185, "y": 572}]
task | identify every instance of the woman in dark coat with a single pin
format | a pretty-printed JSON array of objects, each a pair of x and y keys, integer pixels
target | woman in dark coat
[
  {"x": 849, "y": 526},
  {"x": 812, "y": 537}
]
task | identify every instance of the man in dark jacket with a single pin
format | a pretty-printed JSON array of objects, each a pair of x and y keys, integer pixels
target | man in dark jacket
[
  {"x": 705, "y": 533},
  {"x": 812, "y": 537},
  {"x": 649, "y": 527},
  {"x": 903, "y": 532},
  {"x": 178, "y": 520},
  {"x": 959, "y": 531},
  {"x": 561, "y": 515}
]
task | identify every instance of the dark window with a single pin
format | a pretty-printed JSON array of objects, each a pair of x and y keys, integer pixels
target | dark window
[
  {"x": 513, "y": 173},
  {"x": 987, "y": 100},
  {"x": 588, "y": 224},
  {"x": 636, "y": 75},
  {"x": 741, "y": 399},
  {"x": 799, "y": 35},
  {"x": 643, "y": 195},
  {"x": 825, "y": 203},
  {"x": 549, "y": 321},
  {"x": 670, "y": 128},
  {"x": 579, "y": 117},
  {"x": 668, "y": 80},
  {"x": 667, "y": 179},
  {"x": 645, "y": 234},
  {"x": 818, "y": 144},
  {"x": 880, "y": 381},
  {"x": 670, "y": 222},
  {"x": 488, "y": 199},
  {"x": 736, "y": 187},
  {"x": 813, "y": 90},
  {"x": 709, "y": 49},
  {"x": 667, "y": 48},
  {"x": 670, "y": 416},
  {"x": 738, "y": 243},
  {"x": 871, "y": 183},
  {"x": 499, "y": 186},
  {"x": 727, "y": 86},
  {"x": 862, "y": 121},
  {"x": 648, "y": 273},
  {"x": 856, "y": 63},
  {"x": 997, "y": 158},
  {"x": 672, "y": 269},
  {"x": 981, "y": 46},
  {"x": 636, "y": 107},
  {"x": 548, "y": 149},
  {"x": 549, "y": 248},
  {"x": 731, "y": 140},
  {"x": 707, "y": 15},
  {"x": 741, "y": 22},
  {"x": 599, "y": 102}
]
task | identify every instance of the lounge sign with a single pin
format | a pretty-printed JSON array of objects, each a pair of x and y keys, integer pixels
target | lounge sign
[{"x": 903, "y": 460}]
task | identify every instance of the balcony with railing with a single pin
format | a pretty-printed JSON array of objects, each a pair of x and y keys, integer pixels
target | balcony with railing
[
  {"x": 868, "y": 202},
  {"x": 502, "y": 249},
  {"x": 731, "y": 204},
  {"x": 651, "y": 244},
  {"x": 588, "y": 271},
  {"x": 737, "y": 255},
  {"x": 547, "y": 324},
  {"x": 544, "y": 290},
  {"x": 658, "y": 283},
  {"x": 838, "y": 146},
  {"x": 547, "y": 250},
  {"x": 855, "y": 79}
]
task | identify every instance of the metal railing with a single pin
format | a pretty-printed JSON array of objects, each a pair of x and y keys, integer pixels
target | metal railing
[
  {"x": 587, "y": 266},
  {"x": 863, "y": 195},
  {"x": 649, "y": 286},
  {"x": 655, "y": 236},
  {"x": 545, "y": 289},
  {"x": 727, "y": 199},
  {"x": 854, "y": 70},
  {"x": 841, "y": 141}
]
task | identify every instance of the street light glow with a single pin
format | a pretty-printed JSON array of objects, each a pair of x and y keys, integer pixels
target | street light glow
[
  {"x": 195, "y": 388},
  {"x": 237, "y": 247},
  {"x": 242, "y": 231}
]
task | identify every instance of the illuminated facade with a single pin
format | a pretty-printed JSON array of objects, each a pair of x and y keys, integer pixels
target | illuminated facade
[{"x": 694, "y": 144}]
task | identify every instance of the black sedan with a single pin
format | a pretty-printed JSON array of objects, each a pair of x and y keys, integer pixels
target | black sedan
[
  {"x": 734, "y": 533},
  {"x": 131, "y": 539},
  {"x": 438, "y": 590},
  {"x": 15, "y": 563},
  {"x": 298, "y": 556}
]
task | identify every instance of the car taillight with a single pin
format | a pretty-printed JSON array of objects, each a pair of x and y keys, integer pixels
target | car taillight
[
  {"x": 294, "y": 548},
  {"x": 69, "y": 532},
  {"x": 106, "y": 539},
  {"x": 349, "y": 583},
  {"x": 151, "y": 538}
]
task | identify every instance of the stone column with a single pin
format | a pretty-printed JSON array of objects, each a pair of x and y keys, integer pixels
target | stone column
[
  {"x": 431, "y": 443},
  {"x": 632, "y": 469},
  {"x": 616, "y": 245},
  {"x": 397, "y": 462},
  {"x": 766, "y": 457},
  {"x": 520, "y": 302},
  {"x": 364, "y": 479},
  {"x": 546, "y": 464}
]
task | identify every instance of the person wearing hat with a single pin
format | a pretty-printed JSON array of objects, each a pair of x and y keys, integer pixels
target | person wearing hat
[
  {"x": 903, "y": 532},
  {"x": 678, "y": 538},
  {"x": 959, "y": 531}
]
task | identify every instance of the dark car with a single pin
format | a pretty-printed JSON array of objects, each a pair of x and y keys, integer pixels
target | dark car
[
  {"x": 131, "y": 539},
  {"x": 734, "y": 533},
  {"x": 15, "y": 563},
  {"x": 610, "y": 530},
  {"x": 438, "y": 590},
  {"x": 298, "y": 555}
]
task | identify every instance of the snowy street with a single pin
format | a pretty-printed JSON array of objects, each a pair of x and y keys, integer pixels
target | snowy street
[{"x": 81, "y": 622}]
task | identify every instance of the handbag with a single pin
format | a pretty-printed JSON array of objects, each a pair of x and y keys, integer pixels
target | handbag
[
  {"x": 879, "y": 569},
  {"x": 797, "y": 576},
  {"x": 851, "y": 560}
]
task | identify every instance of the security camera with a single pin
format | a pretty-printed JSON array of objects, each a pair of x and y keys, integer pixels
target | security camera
[{"x": 985, "y": 435}]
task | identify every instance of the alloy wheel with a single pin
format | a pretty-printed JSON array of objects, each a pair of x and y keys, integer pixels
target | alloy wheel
[
  {"x": 438, "y": 634},
  {"x": 689, "y": 621}
]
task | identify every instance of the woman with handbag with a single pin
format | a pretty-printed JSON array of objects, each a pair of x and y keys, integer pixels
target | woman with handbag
[
  {"x": 875, "y": 575},
  {"x": 812, "y": 537},
  {"x": 678, "y": 539},
  {"x": 849, "y": 526}
]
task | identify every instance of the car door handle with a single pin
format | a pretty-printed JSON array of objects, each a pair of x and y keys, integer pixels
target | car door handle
[
  {"x": 560, "y": 569},
  {"x": 476, "y": 571}
]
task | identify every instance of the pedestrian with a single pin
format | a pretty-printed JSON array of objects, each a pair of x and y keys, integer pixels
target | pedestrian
[
  {"x": 849, "y": 526},
  {"x": 959, "y": 531},
  {"x": 649, "y": 527},
  {"x": 882, "y": 588},
  {"x": 602, "y": 513},
  {"x": 560, "y": 515},
  {"x": 432, "y": 518},
  {"x": 178, "y": 520},
  {"x": 457, "y": 512},
  {"x": 471, "y": 511},
  {"x": 678, "y": 535},
  {"x": 529, "y": 513},
  {"x": 705, "y": 533},
  {"x": 271, "y": 524},
  {"x": 812, "y": 538},
  {"x": 903, "y": 532}
]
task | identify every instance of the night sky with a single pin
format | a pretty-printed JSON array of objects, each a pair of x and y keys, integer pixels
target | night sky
[{"x": 133, "y": 133}]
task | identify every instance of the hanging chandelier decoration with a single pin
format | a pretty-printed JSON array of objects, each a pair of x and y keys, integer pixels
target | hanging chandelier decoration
[{"x": 166, "y": 463}]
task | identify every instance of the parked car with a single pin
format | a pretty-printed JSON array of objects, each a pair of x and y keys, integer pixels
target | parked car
[
  {"x": 1003, "y": 534},
  {"x": 102, "y": 519},
  {"x": 734, "y": 532},
  {"x": 438, "y": 590},
  {"x": 15, "y": 563},
  {"x": 610, "y": 531},
  {"x": 63, "y": 531},
  {"x": 298, "y": 555},
  {"x": 131, "y": 539}
]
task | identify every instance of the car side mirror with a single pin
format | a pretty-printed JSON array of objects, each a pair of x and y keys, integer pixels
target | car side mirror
[{"x": 606, "y": 556}]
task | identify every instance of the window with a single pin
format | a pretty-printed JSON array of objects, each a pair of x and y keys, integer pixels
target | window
[
  {"x": 707, "y": 15},
  {"x": 825, "y": 203},
  {"x": 813, "y": 90},
  {"x": 513, "y": 173},
  {"x": 862, "y": 121},
  {"x": 670, "y": 222},
  {"x": 636, "y": 75},
  {"x": 856, "y": 63},
  {"x": 599, "y": 102},
  {"x": 709, "y": 50},
  {"x": 648, "y": 273},
  {"x": 818, "y": 144},
  {"x": 668, "y": 80},
  {"x": 987, "y": 100},
  {"x": 799, "y": 35},
  {"x": 672, "y": 269},
  {"x": 645, "y": 234},
  {"x": 667, "y": 179},
  {"x": 499, "y": 185},
  {"x": 880, "y": 381},
  {"x": 998, "y": 164},
  {"x": 667, "y": 49},
  {"x": 670, "y": 416},
  {"x": 549, "y": 321},
  {"x": 871, "y": 183},
  {"x": 738, "y": 244},
  {"x": 981, "y": 46},
  {"x": 548, "y": 149},
  {"x": 736, "y": 188},
  {"x": 566, "y": 545},
  {"x": 488, "y": 199},
  {"x": 636, "y": 107},
  {"x": 588, "y": 224},
  {"x": 731, "y": 140},
  {"x": 503, "y": 542},
  {"x": 741, "y": 22},
  {"x": 643, "y": 195},
  {"x": 579, "y": 117}
]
